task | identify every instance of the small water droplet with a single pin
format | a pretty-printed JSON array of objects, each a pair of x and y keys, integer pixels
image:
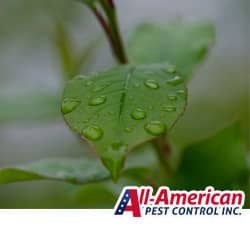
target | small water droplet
[
  {"x": 155, "y": 127},
  {"x": 152, "y": 84},
  {"x": 111, "y": 112},
  {"x": 101, "y": 87},
  {"x": 97, "y": 100},
  {"x": 138, "y": 114},
  {"x": 130, "y": 97},
  {"x": 92, "y": 133},
  {"x": 172, "y": 97},
  {"x": 150, "y": 107},
  {"x": 129, "y": 130},
  {"x": 175, "y": 80},
  {"x": 79, "y": 77},
  {"x": 88, "y": 83},
  {"x": 171, "y": 69},
  {"x": 137, "y": 85},
  {"x": 181, "y": 92},
  {"x": 69, "y": 104},
  {"x": 168, "y": 108}
]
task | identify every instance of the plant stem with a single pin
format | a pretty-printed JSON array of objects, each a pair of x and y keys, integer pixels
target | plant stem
[
  {"x": 116, "y": 30},
  {"x": 163, "y": 151},
  {"x": 110, "y": 10},
  {"x": 111, "y": 28},
  {"x": 107, "y": 31}
]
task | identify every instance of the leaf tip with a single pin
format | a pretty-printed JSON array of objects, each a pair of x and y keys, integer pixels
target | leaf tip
[{"x": 113, "y": 159}]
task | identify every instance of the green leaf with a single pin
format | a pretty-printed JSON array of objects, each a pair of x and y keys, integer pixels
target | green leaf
[
  {"x": 123, "y": 107},
  {"x": 220, "y": 161},
  {"x": 85, "y": 55},
  {"x": 77, "y": 171},
  {"x": 29, "y": 106},
  {"x": 181, "y": 44},
  {"x": 71, "y": 63},
  {"x": 64, "y": 46}
]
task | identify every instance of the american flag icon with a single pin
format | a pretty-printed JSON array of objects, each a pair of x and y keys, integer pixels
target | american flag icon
[{"x": 123, "y": 203}]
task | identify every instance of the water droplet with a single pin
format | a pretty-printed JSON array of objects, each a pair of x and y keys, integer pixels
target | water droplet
[
  {"x": 152, "y": 84},
  {"x": 138, "y": 114},
  {"x": 101, "y": 87},
  {"x": 92, "y": 133},
  {"x": 172, "y": 97},
  {"x": 130, "y": 97},
  {"x": 150, "y": 107},
  {"x": 111, "y": 112},
  {"x": 69, "y": 104},
  {"x": 113, "y": 158},
  {"x": 137, "y": 85},
  {"x": 155, "y": 128},
  {"x": 171, "y": 69},
  {"x": 129, "y": 130},
  {"x": 175, "y": 80},
  {"x": 97, "y": 100},
  {"x": 168, "y": 108},
  {"x": 79, "y": 77},
  {"x": 181, "y": 92},
  {"x": 88, "y": 83}
]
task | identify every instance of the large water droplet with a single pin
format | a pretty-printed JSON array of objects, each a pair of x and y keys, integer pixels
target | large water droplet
[
  {"x": 113, "y": 158},
  {"x": 88, "y": 83},
  {"x": 152, "y": 84},
  {"x": 168, "y": 108},
  {"x": 101, "y": 87},
  {"x": 92, "y": 133},
  {"x": 129, "y": 130},
  {"x": 97, "y": 100},
  {"x": 138, "y": 114},
  {"x": 171, "y": 68},
  {"x": 79, "y": 77},
  {"x": 69, "y": 104},
  {"x": 172, "y": 97},
  {"x": 175, "y": 80},
  {"x": 155, "y": 127}
]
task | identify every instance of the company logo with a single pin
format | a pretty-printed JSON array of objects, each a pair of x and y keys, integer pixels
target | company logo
[{"x": 140, "y": 201}]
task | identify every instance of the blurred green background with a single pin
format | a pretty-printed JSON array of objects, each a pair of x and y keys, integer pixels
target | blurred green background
[{"x": 32, "y": 76}]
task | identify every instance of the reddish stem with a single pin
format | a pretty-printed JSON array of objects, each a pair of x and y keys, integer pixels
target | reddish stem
[{"x": 106, "y": 29}]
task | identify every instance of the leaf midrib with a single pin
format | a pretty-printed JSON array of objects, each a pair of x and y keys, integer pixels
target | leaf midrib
[{"x": 124, "y": 93}]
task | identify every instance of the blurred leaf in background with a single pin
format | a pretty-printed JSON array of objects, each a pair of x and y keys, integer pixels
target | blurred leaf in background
[
  {"x": 219, "y": 161},
  {"x": 77, "y": 171},
  {"x": 182, "y": 44},
  {"x": 37, "y": 105}
]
